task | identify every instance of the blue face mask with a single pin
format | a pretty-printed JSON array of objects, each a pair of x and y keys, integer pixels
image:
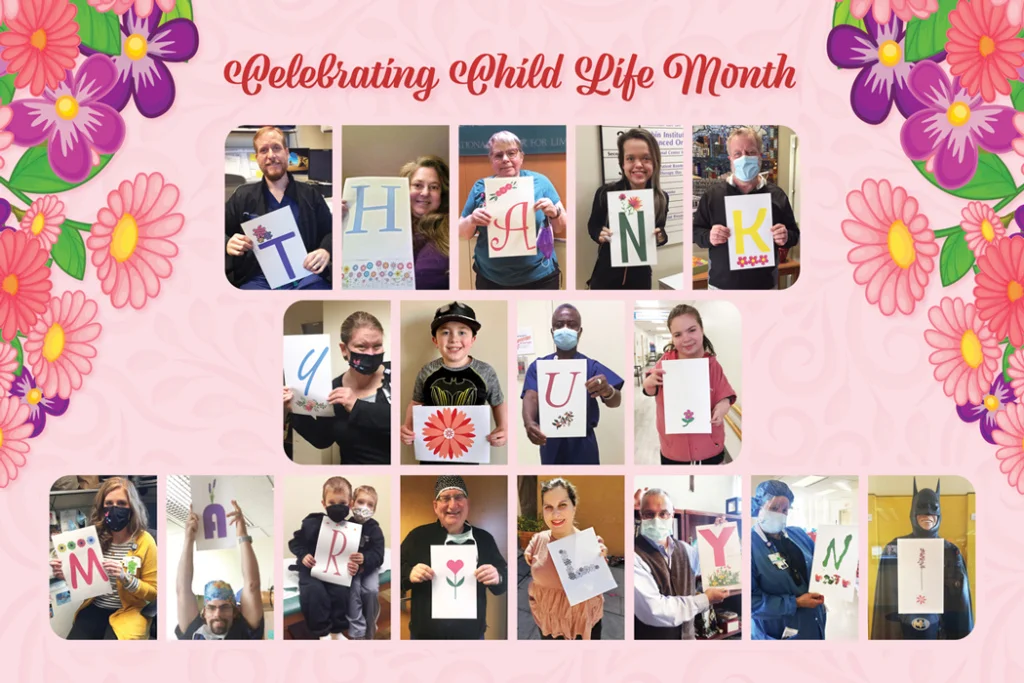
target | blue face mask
[
  {"x": 746, "y": 168},
  {"x": 566, "y": 339}
]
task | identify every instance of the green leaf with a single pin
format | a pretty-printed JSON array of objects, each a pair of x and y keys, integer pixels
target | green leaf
[
  {"x": 69, "y": 251},
  {"x": 460, "y": 582},
  {"x": 100, "y": 31},
  {"x": 182, "y": 10},
  {"x": 1010, "y": 350},
  {"x": 841, "y": 15},
  {"x": 7, "y": 89},
  {"x": 992, "y": 180},
  {"x": 33, "y": 173},
  {"x": 16, "y": 344},
  {"x": 1017, "y": 95},
  {"x": 450, "y": 583},
  {"x": 927, "y": 37},
  {"x": 955, "y": 259}
]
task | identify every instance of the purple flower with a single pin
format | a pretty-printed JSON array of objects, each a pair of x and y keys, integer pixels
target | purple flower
[
  {"x": 72, "y": 118},
  {"x": 141, "y": 70},
  {"x": 883, "y": 72},
  {"x": 952, "y": 126},
  {"x": 999, "y": 395},
  {"x": 1018, "y": 217},
  {"x": 39, "y": 406},
  {"x": 5, "y": 213}
]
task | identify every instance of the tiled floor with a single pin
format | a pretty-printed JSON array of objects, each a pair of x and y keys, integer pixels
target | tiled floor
[{"x": 612, "y": 624}]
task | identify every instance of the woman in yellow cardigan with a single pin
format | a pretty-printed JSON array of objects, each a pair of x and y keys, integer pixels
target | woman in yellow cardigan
[{"x": 129, "y": 553}]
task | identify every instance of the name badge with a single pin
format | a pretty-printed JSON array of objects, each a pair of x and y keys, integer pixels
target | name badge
[
  {"x": 131, "y": 564},
  {"x": 778, "y": 561}
]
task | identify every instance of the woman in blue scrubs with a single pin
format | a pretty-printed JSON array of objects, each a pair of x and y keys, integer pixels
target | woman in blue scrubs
[{"x": 781, "y": 607}]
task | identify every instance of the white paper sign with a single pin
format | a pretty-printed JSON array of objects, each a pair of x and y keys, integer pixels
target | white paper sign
[
  {"x": 211, "y": 501},
  {"x": 453, "y": 590},
  {"x": 749, "y": 219},
  {"x": 631, "y": 218},
  {"x": 919, "y": 568},
  {"x": 334, "y": 546},
  {"x": 562, "y": 394},
  {"x": 452, "y": 434},
  {"x": 81, "y": 560},
  {"x": 720, "y": 555},
  {"x": 834, "y": 567},
  {"x": 376, "y": 236},
  {"x": 584, "y": 573},
  {"x": 524, "y": 341},
  {"x": 307, "y": 372},
  {"x": 687, "y": 390},
  {"x": 513, "y": 228},
  {"x": 278, "y": 246}
]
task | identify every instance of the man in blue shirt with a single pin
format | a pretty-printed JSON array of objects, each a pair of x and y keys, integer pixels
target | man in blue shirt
[{"x": 602, "y": 383}]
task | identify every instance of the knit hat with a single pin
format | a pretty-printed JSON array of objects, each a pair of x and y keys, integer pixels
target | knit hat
[{"x": 446, "y": 482}]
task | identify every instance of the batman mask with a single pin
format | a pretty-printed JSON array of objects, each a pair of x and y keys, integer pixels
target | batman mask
[{"x": 925, "y": 502}]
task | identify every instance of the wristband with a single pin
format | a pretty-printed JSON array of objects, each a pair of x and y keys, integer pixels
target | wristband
[{"x": 244, "y": 539}]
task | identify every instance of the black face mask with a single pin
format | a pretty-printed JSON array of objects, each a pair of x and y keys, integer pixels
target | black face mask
[
  {"x": 337, "y": 513},
  {"x": 925, "y": 502},
  {"x": 116, "y": 518},
  {"x": 365, "y": 363}
]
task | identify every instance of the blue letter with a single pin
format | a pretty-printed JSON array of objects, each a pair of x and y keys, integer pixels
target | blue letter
[
  {"x": 312, "y": 370},
  {"x": 357, "y": 218}
]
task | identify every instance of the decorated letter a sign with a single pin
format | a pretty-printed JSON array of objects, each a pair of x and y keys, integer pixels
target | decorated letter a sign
[
  {"x": 307, "y": 372},
  {"x": 278, "y": 246},
  {"x": 376, "y": 238},
  {"x": 834, "y": 568},
  {"x": 452, "y": 433},
  {"x": 687, "y": 391},
  {"x": 749, "y": 219},
  {"x": 720, "y": 555},
  {"x": 562, "y": 393},
  {"x": 211, "y": 501},
  {"x": 453, "y": 589},
  {"x": 584, "y": 573},
  {"x": 920, "y": 563},
  {"x": 334, "y": 546},
  {"x": 513, "y": 228},
  {"x": 81, "y": 560},
  {"x": 631, "y": 220}
]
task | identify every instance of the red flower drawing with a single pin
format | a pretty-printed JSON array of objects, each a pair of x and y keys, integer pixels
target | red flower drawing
[
  {"x": 921, "y": 599},
  {"x": 449, "y": 433}
]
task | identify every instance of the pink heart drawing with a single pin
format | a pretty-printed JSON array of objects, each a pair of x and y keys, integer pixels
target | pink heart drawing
[{"x": 455, "y": 566}]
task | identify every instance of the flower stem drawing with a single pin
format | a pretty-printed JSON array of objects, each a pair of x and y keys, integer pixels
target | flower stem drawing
[
  {"x": 455, "y": 566},
  {"x": 687, "y": 418},
  {"x": 210, "y": 488}
]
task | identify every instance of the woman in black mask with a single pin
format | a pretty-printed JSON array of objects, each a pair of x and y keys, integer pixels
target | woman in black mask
[
  {"x": 129, "y": 559},
  {"x": 361, "y": 396}
]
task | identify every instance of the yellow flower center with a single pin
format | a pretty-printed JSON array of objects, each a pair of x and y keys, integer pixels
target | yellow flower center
[
  {"x": 991, "y": 403},
  {"x": 38, "y": 39},
  {"x": 901, "y": 245},
  {"x": 986, "y": 46},
  {"x": 1, "y": 437},
  {"x": 970, "y": 349},
  {"x": 958, "y": 114},
  {"x": 67, "y": 107},
  {"x": 10, "y": 284},
  {"x": 135, "y": 47},
  {"x": 38, "y": 223},
  {"x": 53, "y": 342},
  {"x": 124, "y": 239},
  {"x": 1014, "y": 291},
  {"x": 987, "y": 231},
  {"x": 889, "y": 53},
  {"x": 33, "y": 397}
]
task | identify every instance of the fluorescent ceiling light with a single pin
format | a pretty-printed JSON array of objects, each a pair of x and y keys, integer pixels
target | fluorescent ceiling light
[
  {"x": 807, "y": 481},
  {"x": 843, "y": 485}
]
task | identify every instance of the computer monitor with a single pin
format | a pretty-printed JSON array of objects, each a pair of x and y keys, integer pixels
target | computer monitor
[{"x": 320, "y": 168}]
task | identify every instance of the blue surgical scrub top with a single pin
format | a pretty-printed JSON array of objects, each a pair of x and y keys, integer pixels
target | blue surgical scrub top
[{"x": 774, "y": 592}]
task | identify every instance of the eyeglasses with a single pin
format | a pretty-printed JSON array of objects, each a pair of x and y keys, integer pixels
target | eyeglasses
[
  {"x": 511, "y": 154},
  {"x": 223, "y": 609},
  {"x": 457, "y": 498}
]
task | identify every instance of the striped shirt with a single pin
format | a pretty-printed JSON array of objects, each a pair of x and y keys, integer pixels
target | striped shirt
[{"x": 112, "y": 600}]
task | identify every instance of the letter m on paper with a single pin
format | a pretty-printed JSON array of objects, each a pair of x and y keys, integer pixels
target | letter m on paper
[
  {"x": 92, "y": 562},
  {"x": 717, "y": 543}
]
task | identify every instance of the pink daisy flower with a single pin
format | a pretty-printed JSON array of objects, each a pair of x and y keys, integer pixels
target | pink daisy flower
[
  {"x": 999, "y": 288},
  {"x": 983, "y": 49},
  {"x": 8, "y": 9},
  {"x": 1015, "y": 370},
  {"x": 1010, "y": 438},
  {"x": 41, "y": 44},
  {"x": 882, "y": 10},
  {"x": 43, "y": 220},
  {"x": 129, "y": 242},
  {"x": 981, "y": 227},
  {"x": 966, "y": 355},
  {"x": 6, "y": 137},
  {"x": 14, "y": 432},
  {"x": 1014, "y": 10},
  {"x": 8, "y": 364},
  {"x": 895, "y": 250},
  {"x": 143, "y": 8},
  {"x": 59, "y": 347}
]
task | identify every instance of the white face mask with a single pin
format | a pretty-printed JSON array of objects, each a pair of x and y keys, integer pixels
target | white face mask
[
  {"x": 771, "y": 522},
  {"x": 657, "y": 530},
  {"x": 362, "y": 513}
]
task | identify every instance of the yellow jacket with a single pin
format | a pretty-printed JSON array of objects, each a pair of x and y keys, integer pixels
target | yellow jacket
[{"x": 128, "y": 622}]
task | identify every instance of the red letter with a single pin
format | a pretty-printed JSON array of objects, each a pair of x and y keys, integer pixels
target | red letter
[
  {"x": 718, "y": 542},
  {"x": 551, "y": 381},
  {"x": 76, "y": 568},
  {"x": 333, "y": 556},
  {"x": 508, "y": 229}
]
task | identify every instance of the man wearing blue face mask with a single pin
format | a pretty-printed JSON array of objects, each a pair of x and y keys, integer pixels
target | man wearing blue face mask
[
  {"x": 709, "y": 221},
  {"x": 602, "y": 383}
]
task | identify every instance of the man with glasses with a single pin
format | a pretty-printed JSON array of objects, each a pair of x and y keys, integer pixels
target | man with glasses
[
  {"x": 221, "y": 618},
  {"x": 277, "y": 190},
  {"x": 665, "y": 572},
  {"x": 451, "y": 506}
]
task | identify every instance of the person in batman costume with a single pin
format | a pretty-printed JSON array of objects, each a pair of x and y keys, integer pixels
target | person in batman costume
[{"x": 957, "y": 619}]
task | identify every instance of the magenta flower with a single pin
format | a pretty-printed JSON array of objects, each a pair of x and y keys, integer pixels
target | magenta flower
[
  {"x": 998, "y": 397},
  {"x": 141, "y": 70},
  {"x": 76, "y": 124},
  {"x": 952, "y": 126},
  {"x": 39, "y": 405}
]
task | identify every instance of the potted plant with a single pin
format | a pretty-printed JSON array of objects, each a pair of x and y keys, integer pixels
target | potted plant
[{"x": 528, "y": 526}]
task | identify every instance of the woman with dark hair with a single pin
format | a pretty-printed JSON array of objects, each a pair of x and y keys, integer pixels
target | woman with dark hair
[
  {"x": 428, "y": 202},
  {"x": 129, "y": 559},
  {"x": 361, "y": 425},
  {"x": 555, "y": 617},
  {"x": 640, "y": 163}
]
